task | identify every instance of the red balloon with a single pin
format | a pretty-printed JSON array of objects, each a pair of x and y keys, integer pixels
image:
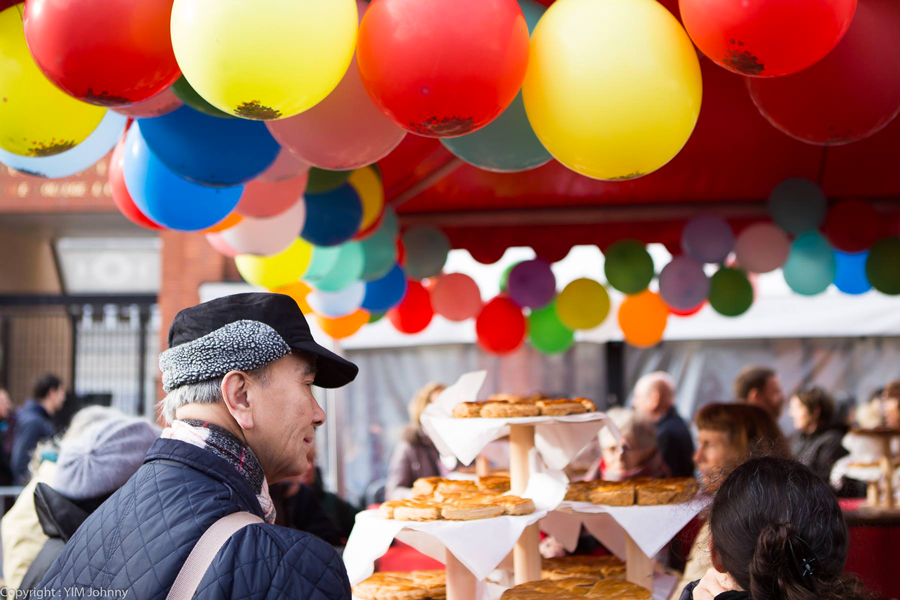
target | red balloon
[
  {"x": 852, "y": 226},
  {"x": 689, "y": 312},
  {"x": 106, "y": 53},
  {"x": 443, "y": 69},
  {"x": 766, "y": 38},
  {"x": 120, "y": 193},
  {"x": 415, "y": 312},
  {"x": 501, "y": 326},
  {"x": 851, "y": 94}
]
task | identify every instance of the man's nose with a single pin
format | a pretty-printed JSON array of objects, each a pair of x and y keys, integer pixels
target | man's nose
[{"x": 318, "y": 414}]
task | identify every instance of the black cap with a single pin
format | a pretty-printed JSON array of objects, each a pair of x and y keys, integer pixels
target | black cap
[{"x": 279, "y": 312}]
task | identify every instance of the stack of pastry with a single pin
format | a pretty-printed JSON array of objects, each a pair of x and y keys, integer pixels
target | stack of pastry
[
  {"x": 457, "y": 500},
  {"x": 418, "y": 585},
  {"x": 505, "y": 406},
  {"x": 577, "y": 588},
  {"x": 642, "y": 492},
  {"x": 596, "y": 567}
]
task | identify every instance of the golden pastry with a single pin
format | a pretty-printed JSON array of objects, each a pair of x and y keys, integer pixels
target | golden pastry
[
  {"x": 560, "y": 407},
  {"x": 465, "y": 410},
  {"x": 494, "y": 483},
  {"x": 505, "y": 410},
  {"x": 417, "y": 511},
  {"x": 425, "y": 486},
  {"x": 469, "y": 511},
  {"x": 613, "y": 493}
]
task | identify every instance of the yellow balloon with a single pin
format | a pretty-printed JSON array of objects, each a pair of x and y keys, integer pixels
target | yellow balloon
[
  {"x": 36, "y": 117},
  {"x": 613, "y": 87},
  {"x": 584, "y": 304},
  {"x": 368, "y": 185},
  {"x": 264, "y": 60},
  {"x": 278, "y": 270}
]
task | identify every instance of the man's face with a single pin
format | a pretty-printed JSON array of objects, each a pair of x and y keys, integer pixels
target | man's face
[
  {"x": 57, "y": 398},
  {"x": 892, "y": 413},
  {"x": 285, "y": 417},
  {"x": 770, "y": 398},
  {"x": 713, "y": 458}
]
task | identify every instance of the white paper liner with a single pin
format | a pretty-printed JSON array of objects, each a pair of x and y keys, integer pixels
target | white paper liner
[
  {"x": 480, "y": 545},
  {"x": 557, "y": 439},
  {"x": 651, "y": 527}
]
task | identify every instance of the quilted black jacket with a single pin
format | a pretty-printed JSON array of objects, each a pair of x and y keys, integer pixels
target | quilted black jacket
[{"x": 139, "y": 538}]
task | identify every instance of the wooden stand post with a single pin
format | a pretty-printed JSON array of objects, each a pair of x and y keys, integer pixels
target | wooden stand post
[
  {"x": 460, "y": 581},
  {"x": 482, "y": 466},
  {"x": 638, "y": 566},
  {"x": 526, "y": 554}
]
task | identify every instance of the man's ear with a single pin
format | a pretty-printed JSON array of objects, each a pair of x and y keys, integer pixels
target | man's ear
[{"x": 236, "y": 394}]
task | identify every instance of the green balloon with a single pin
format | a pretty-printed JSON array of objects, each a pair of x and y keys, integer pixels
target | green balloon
[
  {"x": 547, "y": 333},
  {"x": 629, "y": 267},
  {"x": 883, "y": 266},
  {"x": 730, "y": 292},
  {"x": 183, "y": 90},
  {"x": 347, "y": 268},
  {"x": 380, "y": 254},
  {"x": 375, "y": 317},
  {"x": 321, "y": 181},
  {"x": 324, "y": 259},
  {"x": 504, "y": 279}
]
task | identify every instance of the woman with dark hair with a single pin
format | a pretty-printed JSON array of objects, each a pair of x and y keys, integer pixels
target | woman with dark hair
[
  {"x": 816, "y": 443},
  {"x": 777, "y": 534}
]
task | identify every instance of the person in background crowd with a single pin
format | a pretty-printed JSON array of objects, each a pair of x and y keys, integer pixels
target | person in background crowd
[
  {"x": 728, "y": 435},
  {"x": 20, "y": 529},
  {"x": 778, "y": 533},
  {"x": 240, "y": 410},
  {"x": 816, "y": 443},
  {"x": 302, "y": 503},
  {"x": 90, "y": 467},
  {"x": 7, "y": 424},
  {"x": 34, "y": 423},
  {"x": 654, "y": 398},
  {"x": 638, "y": 456},
  {"x": 414, "y": 456},
  {"x": 761, "y": 387},
  {"x": 891, "y": 404}
]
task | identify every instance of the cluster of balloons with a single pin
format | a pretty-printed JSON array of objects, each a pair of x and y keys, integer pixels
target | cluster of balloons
[{"x": 819, "y": 71}]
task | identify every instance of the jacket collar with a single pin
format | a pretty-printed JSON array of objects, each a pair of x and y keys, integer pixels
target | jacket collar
[{"x": 208, "y": 463}]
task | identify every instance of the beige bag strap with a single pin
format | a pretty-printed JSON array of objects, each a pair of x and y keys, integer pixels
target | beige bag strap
[{"x": 205, "y": 551}]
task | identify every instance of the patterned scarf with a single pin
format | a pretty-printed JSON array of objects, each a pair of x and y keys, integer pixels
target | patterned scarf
[{"x": 225, "y": 445}]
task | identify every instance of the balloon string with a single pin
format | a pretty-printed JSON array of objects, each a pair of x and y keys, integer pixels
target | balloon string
[{"x": 822, "y": 165}]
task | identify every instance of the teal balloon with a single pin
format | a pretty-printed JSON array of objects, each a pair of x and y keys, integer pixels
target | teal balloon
[
  {"x": 321, "y": 181},
  {"x": 811, "y": 266},
  {"x": 389, "y": 223},
  {"x": 850, "y": 274},
  {"x": 347, "y": 268},
  {"x": 546, "y": 331},
  {"x": 379, "y": 255},
  {"x": 508, "y": 143},
  {"x": 426, "y": 251},
  {"x": 798, "y": 205},
  {"x": 323, "y": 260},
  {"x": 628, "y": 266},
  {"x": 730, "y": 292},
  {"x": 883, "y": 265}
]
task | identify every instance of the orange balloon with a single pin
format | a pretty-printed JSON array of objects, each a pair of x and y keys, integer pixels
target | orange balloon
[
  {"x": 343, "y": 327},
  {"x": 226, "y": 223},
  {"x": 298, "y": 291},
  {"x": 643, "y": 318}
]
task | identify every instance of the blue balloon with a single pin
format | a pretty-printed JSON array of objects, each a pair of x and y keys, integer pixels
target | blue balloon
[
  {"x": 168, "y": 199},
  {"x": 210, "y": 150},
  {"x": 850, "y": 276},
  {"x": 385, "y": 293},
  {"x": 810, "y": 268},
  {"x": 508, "y": 143},
  {"x": 332, "y": 218},
  {"x": 93, "y": 148}
]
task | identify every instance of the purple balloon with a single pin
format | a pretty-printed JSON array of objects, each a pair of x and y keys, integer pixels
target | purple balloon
[
  {"x": 707, "y": 239},
  {"x": 682, "y": 284},
  {"x": 531, "y": 284}
]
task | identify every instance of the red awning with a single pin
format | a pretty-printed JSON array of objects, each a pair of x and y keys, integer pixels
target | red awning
[{"x": 730, "y": 164}]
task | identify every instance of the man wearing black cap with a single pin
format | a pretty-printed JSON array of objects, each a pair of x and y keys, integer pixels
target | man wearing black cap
[{"x": 241, "y": 415}]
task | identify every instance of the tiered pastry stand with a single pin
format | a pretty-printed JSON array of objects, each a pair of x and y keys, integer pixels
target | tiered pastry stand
[{"x": 881, "y": 495}]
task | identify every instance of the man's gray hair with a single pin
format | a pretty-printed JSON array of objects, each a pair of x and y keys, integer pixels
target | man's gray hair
[{"x": 202, "y": 392}]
